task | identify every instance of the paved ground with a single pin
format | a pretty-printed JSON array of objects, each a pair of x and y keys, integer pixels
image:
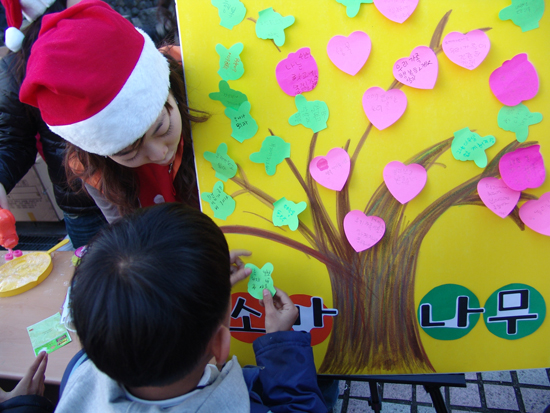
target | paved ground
[{"x": 525, "y": 391}]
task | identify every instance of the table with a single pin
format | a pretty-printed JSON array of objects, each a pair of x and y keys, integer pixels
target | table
[{"x": 20, "y": 311}]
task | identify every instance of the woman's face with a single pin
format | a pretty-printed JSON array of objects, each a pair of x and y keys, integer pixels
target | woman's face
[{"x": 160, "y": 142}]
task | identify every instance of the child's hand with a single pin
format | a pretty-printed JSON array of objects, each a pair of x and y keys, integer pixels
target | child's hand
[
  {"x": 32, "y": 382},
  {"x": 238, "y": 271},
  {"x": 280, "y": 311}
]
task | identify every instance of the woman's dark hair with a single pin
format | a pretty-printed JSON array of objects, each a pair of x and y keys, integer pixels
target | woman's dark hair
[
  {"x": 149, "y": 294},
  {"x": 31, "y": 34},
  {"x": 120, "y": 184}
]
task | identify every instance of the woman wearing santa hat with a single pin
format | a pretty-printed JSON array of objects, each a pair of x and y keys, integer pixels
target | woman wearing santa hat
[
  {"x": 20, "y": 125},
  {"x": 102, "y": 85}
]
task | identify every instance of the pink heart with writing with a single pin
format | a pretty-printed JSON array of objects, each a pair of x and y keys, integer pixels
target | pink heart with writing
[
  {"x": 298, "y": 73},
  {"x": 523, "y": 168},
  {"x": 497, "y": 196},
  {"x": 383, "y": 108},
  {"x": 515, "y": 81},
  {"x": 467, "y": 50},
  {"x": 404, "y": 181},
  {"x": 349, "y": 54},
  {"x": 331, "y": 171},
  {"x": 396, "y": 10},
  {"x": 536, "y": 214},
  {"x": 363, "y": 231},
  {"x": 419, "y": 70}
]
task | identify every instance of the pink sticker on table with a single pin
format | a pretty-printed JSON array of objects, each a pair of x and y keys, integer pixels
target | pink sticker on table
[
  {"x": 349, "y": 54},
  {"x": 396, "y": 10},
  {"x": 536, "y": 214},
  {"x": 383, "y": 108},
  {"x": 331, "y": 171},
  {"x": 419, "y": 70},
  {"x": 297, "y": 73},
  {"x": 467, "y": 50},
  {"x": 515, "y": 81},
  {"x": 497, "y": 196},
  {"x": 363, "y": 231},
  {"x": 523, "y": 168},
  {"x": 405, "y": 181}
]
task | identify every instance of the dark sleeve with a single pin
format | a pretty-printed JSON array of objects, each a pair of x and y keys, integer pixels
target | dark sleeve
[
  {"x": 27, "y": 404},
  {"x": 287, "y": 375},
  {"x": 18, "y": 129}
]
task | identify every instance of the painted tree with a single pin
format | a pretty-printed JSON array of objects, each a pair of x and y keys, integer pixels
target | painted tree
[{"x": 373, "y": 290}]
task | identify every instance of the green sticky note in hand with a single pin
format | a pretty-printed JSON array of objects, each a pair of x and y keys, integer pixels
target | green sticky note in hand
[
  {"x": 469, "y": 146},
  {"x": 48, "y": 335},
  {"x": 259, "y": 280},
  {"x": 274, "y": 151},
  {"x": 228, "y": 97},
  {"x": 243, "y": 125},
  {"x": 352, "y": 6},
  {"x": 221, "y": 203},
  {"x": 231, "y": 66},
  {"x": 517, "y": 119},
  {"x": 224, "y": 166},
  {"x": 286, "y": 213},
  {"x": 312, "y": 115},
  {"x": 524, "y": 13},
  {"x": 231, "y": 12},
  {"x": 271, "y": 25}
]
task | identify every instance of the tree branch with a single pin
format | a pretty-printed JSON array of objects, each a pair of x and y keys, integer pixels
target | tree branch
[{"x": 272, "y": 236}]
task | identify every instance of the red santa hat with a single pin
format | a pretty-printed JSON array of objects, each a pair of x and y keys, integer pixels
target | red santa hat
[
  {"x": 15, "y": 10},
  {"x": 99, "y": 82}
]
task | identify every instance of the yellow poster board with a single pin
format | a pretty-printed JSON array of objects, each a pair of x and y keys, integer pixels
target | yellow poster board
[{"x": 477, "y": 282}]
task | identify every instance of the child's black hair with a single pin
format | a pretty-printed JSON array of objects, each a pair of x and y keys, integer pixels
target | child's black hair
[{"x": 150, "y": 292}]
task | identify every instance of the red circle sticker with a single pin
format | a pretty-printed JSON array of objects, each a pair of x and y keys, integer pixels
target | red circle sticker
[{"x": 247, "y": 321}]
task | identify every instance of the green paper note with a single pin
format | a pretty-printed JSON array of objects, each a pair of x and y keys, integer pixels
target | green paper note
[
  {"x": 224, "y": 166},
  {"x": 243, "y": 125},
  {"x": 259, "y": 280},
  {"x": 274, "y": 151},
  {"x": 48, "y": 334},
  {"x": 221, "y": 203},
  {"x": 231, "y": 12},
  {"x": 352, "y": 6},
  {"x": 524, "y": 13},
  {"x": 312, "y": 115},
  {"x": 286, "y": 213},
  {"x": 231, "y": 66},
  {"x": 228, "y": 97},
  {"x": 469, "y": 146},
  {"x": 517, "y": 119},
  {"x": 271, "y": 25}
]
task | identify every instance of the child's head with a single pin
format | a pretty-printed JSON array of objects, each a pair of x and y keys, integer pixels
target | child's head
[{"x": 150, "y": 293}]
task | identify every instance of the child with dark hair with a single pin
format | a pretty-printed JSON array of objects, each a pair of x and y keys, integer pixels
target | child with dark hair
[{"x": 150, "y": 302}]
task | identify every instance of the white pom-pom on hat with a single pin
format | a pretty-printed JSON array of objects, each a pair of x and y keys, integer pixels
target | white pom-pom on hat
[{"x": 13, "y": 38}]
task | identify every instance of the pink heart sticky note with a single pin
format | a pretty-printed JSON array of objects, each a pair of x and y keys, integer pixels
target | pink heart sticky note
[
  {"x": 515, "y": 81},
  {"x": 404, "y": 181},
  {"x": 497, "y": 196},
  {"x": 523, "y": 168},
  {"x": 467, "y": 50},
  {"x": 396, "y": 10},
  {"x": 297, "y": 73},
  {"x": 331, "y": 171},
  {"x": 384, "y": 108},
  {"x": 536, "y": 214},
  {"x": 363, "y": 231},
  {"x": 419, "y": 70},
  {"x": 349, "y": 54}
]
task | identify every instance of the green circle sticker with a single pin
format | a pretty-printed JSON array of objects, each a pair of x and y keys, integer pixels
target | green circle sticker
[
  {"x": 449, "y": 312},
  {"x": 514, "y": 311}
]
